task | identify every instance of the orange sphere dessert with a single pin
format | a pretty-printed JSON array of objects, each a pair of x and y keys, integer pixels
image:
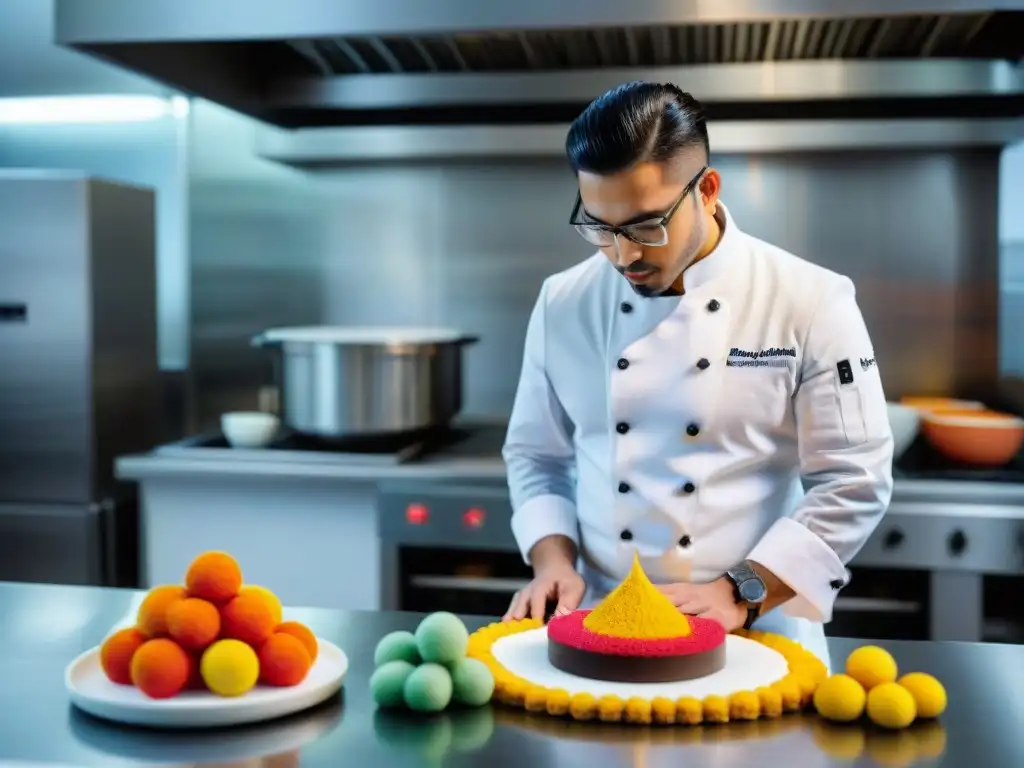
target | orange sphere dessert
[
  {"x": 269, "y": 597},
  {"x": 193, "y": 623},
  {"x": 214, "y": 576},
  {"x": 247, "y": 618},
  {"x": 152, "y": 618},
  {"x": 302, "y": 633},
  {"x": 116, "y": 655},
  {"x": 161, "y": 668},
  {"x": 284, "y": 660}
]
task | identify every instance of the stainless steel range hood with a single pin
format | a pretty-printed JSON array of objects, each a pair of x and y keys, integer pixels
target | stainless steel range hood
[{"x": 325, "y": 62}]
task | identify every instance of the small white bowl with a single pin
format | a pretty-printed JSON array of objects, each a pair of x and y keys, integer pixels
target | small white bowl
[{"x": 249, "y": 429}]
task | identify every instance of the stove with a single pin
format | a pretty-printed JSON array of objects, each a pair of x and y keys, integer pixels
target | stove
[
  {"x": 941, "y": 565},
  {"x": 471, "y": 440},
  {"x": 922, "y": 462}
]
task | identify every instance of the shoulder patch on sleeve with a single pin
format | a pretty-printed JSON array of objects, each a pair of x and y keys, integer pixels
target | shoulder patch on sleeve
[{"x": 845, "y": 372}]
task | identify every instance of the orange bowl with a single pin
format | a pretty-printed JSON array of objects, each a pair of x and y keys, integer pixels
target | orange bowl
[
  {"x": 935, "y": 404},
  {"x": 981, "y": 437}
]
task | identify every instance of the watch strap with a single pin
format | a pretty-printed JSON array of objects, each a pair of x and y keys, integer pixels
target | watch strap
[{"x": 753, "y": 614}]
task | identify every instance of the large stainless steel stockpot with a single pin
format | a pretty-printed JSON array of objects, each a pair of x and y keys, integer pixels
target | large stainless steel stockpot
[{"x": 338, "y": 382}]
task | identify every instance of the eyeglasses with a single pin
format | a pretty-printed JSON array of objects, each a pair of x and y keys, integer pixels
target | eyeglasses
[{"x": 652, "y": 232}]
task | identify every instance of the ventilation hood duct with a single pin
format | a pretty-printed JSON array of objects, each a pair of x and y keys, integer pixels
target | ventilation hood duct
[
  {"x": 361, "y": 145},
  {"x": 300, "y": 63}
]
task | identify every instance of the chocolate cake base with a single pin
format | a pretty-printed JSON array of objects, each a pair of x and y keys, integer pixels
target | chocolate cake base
[{"x": 635, "y": 669}]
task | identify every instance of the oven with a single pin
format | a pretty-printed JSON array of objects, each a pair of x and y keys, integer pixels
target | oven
[
  {"x": 448, "y": 547},
  {"x": 882, "y": 603},
  {"x": 946, "y": 563}
]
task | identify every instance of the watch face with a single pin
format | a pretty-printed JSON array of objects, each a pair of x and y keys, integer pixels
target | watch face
[{"x": 752, "y": 591}]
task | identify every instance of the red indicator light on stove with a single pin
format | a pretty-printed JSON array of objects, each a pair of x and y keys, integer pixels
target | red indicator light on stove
[
  {"x": 474, "y": 517},
  {"x": 416, "y": 514}
]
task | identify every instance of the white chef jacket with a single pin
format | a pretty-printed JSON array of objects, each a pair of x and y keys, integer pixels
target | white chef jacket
[{"x": 744, "y": 419}]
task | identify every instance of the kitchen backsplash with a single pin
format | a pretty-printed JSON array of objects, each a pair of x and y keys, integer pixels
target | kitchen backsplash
[{"x": 468, "y": 245}]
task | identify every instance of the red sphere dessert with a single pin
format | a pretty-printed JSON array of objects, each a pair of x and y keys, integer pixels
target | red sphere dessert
[{"x": 636, "y": 635}]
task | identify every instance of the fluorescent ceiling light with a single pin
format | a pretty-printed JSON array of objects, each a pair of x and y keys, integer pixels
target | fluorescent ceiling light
[{"x": 89, "y": 109}]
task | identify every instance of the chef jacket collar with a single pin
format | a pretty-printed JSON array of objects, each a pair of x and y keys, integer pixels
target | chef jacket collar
[{"x": 718, "y": 262}]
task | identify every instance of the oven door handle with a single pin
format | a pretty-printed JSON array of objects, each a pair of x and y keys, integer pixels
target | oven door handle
[
  {"x": 875, "y": 605},
  {"x": 468, "y": 583}
]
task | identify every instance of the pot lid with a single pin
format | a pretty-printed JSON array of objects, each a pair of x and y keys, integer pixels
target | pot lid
[{"x": 341, "y": 334}]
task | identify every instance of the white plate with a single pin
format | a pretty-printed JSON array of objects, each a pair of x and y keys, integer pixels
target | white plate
[{"x": 92, "y": 692}]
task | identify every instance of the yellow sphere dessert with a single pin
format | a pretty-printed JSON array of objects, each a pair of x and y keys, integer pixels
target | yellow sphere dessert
[
  {"x": 230, "y": 668},
  {"x": 928, "y": 693},
  {"x": 870, "y": 665},
  {"x": 842, "y": 742},
  {"x": 893, "y": 749},
  {"x": 891, "y": 706},
  {"x": 840, "y": 698},
  {"x": 930, "y": 737}
]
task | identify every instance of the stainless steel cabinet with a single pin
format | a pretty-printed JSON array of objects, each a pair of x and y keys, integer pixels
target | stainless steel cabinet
[
  {"x": 79, "y": 380},
  {"x": 89, "y": 545},
  {"x": 78, "y": 360}
]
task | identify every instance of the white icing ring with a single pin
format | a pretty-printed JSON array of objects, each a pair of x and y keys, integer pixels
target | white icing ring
[{"x": 748, "y": 665}]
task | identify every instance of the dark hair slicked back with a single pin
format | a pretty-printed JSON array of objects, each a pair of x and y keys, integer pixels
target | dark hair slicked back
[{"x": 633, "y": 123}]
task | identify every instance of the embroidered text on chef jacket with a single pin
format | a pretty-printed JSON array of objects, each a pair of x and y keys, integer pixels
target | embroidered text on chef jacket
[{"x": 744, "y": 419}]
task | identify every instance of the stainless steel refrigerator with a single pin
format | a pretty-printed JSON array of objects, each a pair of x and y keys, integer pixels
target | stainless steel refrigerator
[{"x": 79, "y": 378}]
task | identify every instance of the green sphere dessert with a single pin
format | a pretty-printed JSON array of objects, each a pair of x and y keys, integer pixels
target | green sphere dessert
[
  {"x": 403, "y": 731},
  {"x": 435, "y": 736},
  {"x": 397, "y": 646},
  {"x": 387, "y": 684},
  {"x": 428, "y": 688},
  {"x": 472, "y": 682},
  {"x": 472, "y": 729},
  {"x": 442, "y": 638}
]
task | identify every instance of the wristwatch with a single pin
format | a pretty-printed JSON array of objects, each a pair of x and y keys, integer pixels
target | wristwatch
[{"x": 749, "y": 589}]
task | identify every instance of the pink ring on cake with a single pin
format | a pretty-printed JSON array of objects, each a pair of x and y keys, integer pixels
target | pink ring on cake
[{"x": 706, "y": 634}]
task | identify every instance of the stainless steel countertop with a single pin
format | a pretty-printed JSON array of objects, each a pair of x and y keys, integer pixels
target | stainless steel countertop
[
  {"x": 44, "y": 628},
  {"x": 151, "y": 465},
  {"x": 442, "y": 467}
]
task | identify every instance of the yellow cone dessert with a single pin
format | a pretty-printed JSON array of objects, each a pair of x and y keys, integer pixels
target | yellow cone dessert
[{"x": 637, "y": 609}]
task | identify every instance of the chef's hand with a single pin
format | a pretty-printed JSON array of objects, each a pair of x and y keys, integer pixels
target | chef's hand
[
  {"x": 716, "y": 600},
  {"x": 559, "y": 583}
]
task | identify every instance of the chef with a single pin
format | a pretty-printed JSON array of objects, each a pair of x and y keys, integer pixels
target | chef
[{"x": 690, "y": 394}]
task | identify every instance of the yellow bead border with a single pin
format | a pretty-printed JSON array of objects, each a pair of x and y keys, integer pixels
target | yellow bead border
[{"x": 791, "y": 693}]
